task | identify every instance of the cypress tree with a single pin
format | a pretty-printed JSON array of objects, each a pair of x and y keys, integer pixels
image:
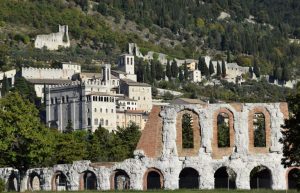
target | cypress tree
[
  {"x": 223, "y": 69},
  {"x": 256, "y": 70},
  {"x": 218, "y": 69},
  {"x": 153, "y": 71},
  {"x": 181, "y": 76},
  {"x": 5, "y": 86},
  {"x": 185, "y": 71},
  {"x": 285, "y": 74},
  {"x": 250, "y": 72},
  {"x": 211, "y": 68},
  {"x": 228, "y": 57},
  {"x": 174, "y": 69},
  {"x": 168, "y": 71}
]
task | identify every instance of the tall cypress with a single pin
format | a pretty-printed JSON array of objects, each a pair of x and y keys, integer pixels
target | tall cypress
[
  {"x": 174, "y": 69},
  {"x": 218, "y": 69},
  {"x": 223, "y": 69},
  {"x": 185, "y": 71},
  {"x": 211, "y": 68}
]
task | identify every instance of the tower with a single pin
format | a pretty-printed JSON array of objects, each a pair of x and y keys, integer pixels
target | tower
[{"x": 126, "y": 63}]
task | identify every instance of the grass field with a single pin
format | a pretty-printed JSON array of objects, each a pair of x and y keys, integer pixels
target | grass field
[{"x": 192, "y": 191}]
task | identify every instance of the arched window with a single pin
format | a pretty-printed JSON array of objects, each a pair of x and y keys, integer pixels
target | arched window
[
  {"x": 223, "y": 130},
  {"x": 89, "y": 181},
  {"x": 293, "y": 178},
  {"x": 89, "y": 121},
  {"x": 260, "y": 177},
  {"x": 95, "y": 109},
  {"x": 259, "y": 129},
  {"x": 189, "y": 178},
  {"x": 187, "y": 131},
  {"x": 121, "y": 180},
  {"x": 225, "y": 178}
]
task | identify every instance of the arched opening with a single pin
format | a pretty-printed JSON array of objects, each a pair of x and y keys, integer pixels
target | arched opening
[
  {"x": 225, "y": 178},
  {"x": 12, "y": 184},
  {"x": 187, "y": 131},
  {"x": 34, "y": 183},
  {"x": 259, "y": 129},
  {"x": 121, "y": 180},
  {"x": 223, "y": 130},
  {"x": 293, "y": 178},
  {"x": 189, "y": 178},
  {"x": 260, "y": 177},
  {"x": 59, "y": 181},
  {"x": 89, "y": 181},
  {"x": 153, "y": 179}
]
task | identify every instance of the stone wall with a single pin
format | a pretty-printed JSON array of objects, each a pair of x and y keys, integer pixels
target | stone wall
[{"x": 158, "y": 153}]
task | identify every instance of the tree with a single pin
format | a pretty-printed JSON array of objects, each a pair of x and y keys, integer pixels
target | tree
[
  {"x": 69, "y": 127},
  {"x": 71, "y": 147},
  {"x": 250, "y": 72},
  {"x": 168, "y": 71},
  {"x": 24, "y": 142},
  {"x": 5, "y": 86},
  {"x": 256, "y": 70},
  {"x": 228, "y": 56},
  {"x": 187, "y": 131},
  {"x": 181, "y": 76},
  {"x": 285, "y": 74},
  {"x": 185, "y": 71},
  {"x": 25, "y": 89},
  {"x": 174, "y": 69},
  {"x": 223, "y": 69},
  {"x": 153, "y": 71},
  {"x": 218, "y": 69},
  {"x": 211, "y": 68},
  {"x": 203, "y": 67},
  {"x": 291, "y": 132}
]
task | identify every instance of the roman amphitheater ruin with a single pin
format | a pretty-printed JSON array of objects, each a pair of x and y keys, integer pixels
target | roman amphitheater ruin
[{"x": 162, "y": 160}]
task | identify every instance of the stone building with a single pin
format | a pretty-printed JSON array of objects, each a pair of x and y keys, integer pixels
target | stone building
[
  {"x": 10, "y": 75},
  {"x": 54, "y": 40},
  {"x": 161, "y": 161},
  {"x": 95, "y": 100}
]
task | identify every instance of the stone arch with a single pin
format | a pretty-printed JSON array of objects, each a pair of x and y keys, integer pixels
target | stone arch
[
  {"x": 59, "y": 181},
  {"x": 251, "y": 125},
  {"x": 293, "y": 175},
  {"x": 88, "y": 180},
  {"x": 189, "y": 178},
  {"x": 225, "y": 177},
  {"x": 153, "y": 179},
  {"x": 12, "y": 183},
  {"x": 34, "y": 182},
  {"x": 260, "y": 177},
  {"x": 195, "y": 132},
  {"x": 219, "y": 152},
  {"x": 119, "y": 180}
]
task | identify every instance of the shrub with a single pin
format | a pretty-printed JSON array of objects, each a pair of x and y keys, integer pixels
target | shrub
[{"x": 2, "y": 185}]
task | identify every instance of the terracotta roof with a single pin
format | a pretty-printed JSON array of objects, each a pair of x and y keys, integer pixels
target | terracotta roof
[
  {"x": 180, "y": 101},
  {"x": 49, "y": 81}
]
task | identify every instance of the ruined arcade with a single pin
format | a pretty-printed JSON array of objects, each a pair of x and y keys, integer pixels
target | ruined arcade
[{"x": 162, "y": 159}]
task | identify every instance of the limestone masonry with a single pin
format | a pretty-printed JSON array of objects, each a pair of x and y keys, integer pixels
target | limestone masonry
[{"x": 161, "y": 160}]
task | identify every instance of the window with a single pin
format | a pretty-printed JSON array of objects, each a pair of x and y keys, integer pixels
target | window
[
  {"x": 63, "y": 99},
  {"x": 101, "y": 122},
  {"x": 106, "y": 110},
  {"x": 223, "y": 131},
  {"x": 106, "y": 122},
  {"x": 95, "y": 110},
  {"x": 51, "y": 101},
  {"x": 96, "y": 122},
  {"x": 187, "y": 131},
  {"x": 67, "y": 98},
  {"x": 128, "y": 103},
  {"x": 89, "y": 122},
  {"x": 100, "y": 110},
  {"x": 112, "y": 110},
  {"x": 259, "y": 128}
]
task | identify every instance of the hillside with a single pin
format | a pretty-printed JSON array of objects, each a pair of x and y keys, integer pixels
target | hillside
[{"x": 100, "y": 30}]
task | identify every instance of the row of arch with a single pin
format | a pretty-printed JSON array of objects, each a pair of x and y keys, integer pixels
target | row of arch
[
  {"x": 259, "y": 127},
  {"x": 189, "y": 178}
]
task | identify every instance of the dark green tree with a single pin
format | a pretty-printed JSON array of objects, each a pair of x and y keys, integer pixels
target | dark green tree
[
  {"x": 228, "y": 56},
  {"x": 285, "y": 74},
  {"x": 291, "y": 132},
  {"x": 187, "y": 131},
  {"x": 168, "y": 71},
  {"x": 223, "y": 69},
  {"x": 69, "y": 127},
  {"x": 185, "y": 71},
  {"x": 260, "y": 131},
  {"x": 223, "y": 132},
  {"x": 256, "y": 69},
  {"x": 181, "y": 76},
  {"x": 174, "y": 69},
  {"x": 5, "y": 86},
  {"x": 211, "y": 68},
  {"x": 219, "y": 70}
]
